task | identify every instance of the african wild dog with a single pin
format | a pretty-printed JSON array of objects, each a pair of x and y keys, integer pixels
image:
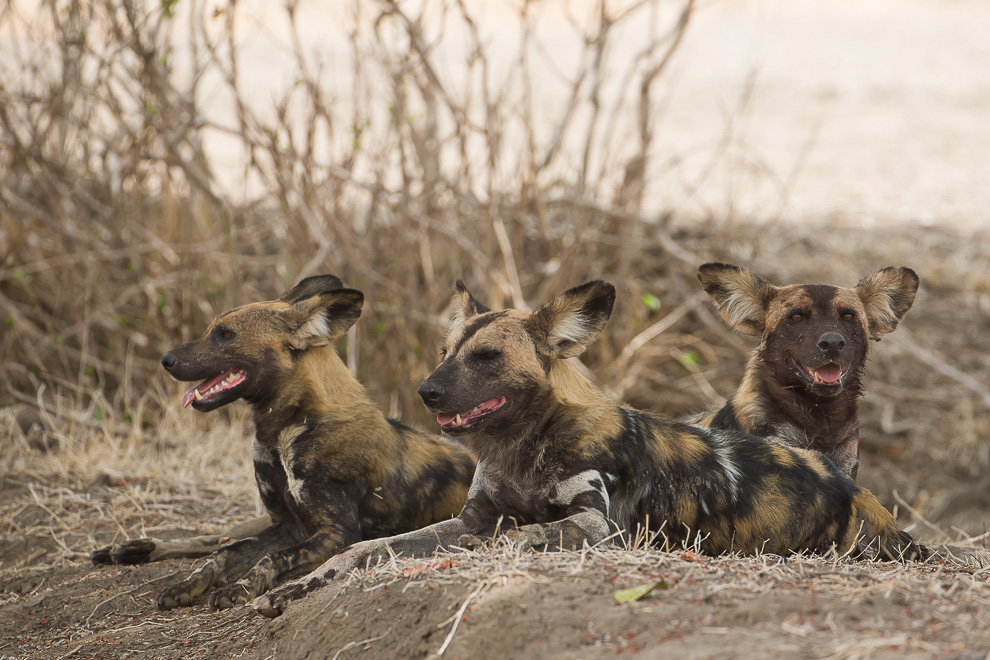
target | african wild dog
[
  {"x": 567, "y": 465},
  {"x": 331, "y": 468},
  {"x": 803, "y": 382}
]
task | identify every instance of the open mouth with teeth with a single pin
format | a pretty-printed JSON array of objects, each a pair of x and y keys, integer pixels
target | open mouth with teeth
[
  {"x": 465, "y": 420},
  {"x": 212, "y": 391},
  {"x": 830, "y": 375}
]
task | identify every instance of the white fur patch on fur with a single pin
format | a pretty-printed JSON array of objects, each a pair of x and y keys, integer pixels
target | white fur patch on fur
[
  {"x": 572, "y": 327},
  {"x": 739, "y": 307},
  {"x": 286, "y": 453},
  {"x": 723, "y": 454},
  {"x": 316, "y": 325},
  {"x": 570, "y": 488}
]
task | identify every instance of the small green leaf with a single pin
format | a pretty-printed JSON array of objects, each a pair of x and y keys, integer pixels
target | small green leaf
[
  {"x": 651, "y": 302},
  {"x": 99, "y": 413},
  {"x": 22, "y": 277},
  {"x": 689, "y": 359},
  {"x": 379, "y": 328},
  {"x": 635, "y": 593},
  {"x": 124, "y": 320},
  {"x": 162, "y": 302},
  {"x": 90, "y": 371},
  {"x": 131, "y": 267},
  {"x": 9, "y": 321}
]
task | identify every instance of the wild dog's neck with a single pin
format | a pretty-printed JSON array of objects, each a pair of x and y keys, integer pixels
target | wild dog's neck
[
  {"x": 319, "y": 387},
  {"x": 761, "y": 404},
  {"x": 572, "y": 408}
]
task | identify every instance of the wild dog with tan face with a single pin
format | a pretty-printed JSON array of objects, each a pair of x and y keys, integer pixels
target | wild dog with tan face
[
  {"x": 804, "y": 380},
  {"x": 564, "y": 465},
  {"x": 330, "y": 467}
]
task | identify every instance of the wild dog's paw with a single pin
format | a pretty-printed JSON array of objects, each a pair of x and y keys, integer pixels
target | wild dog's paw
[
  {"x": 178, "y": 595},
  {"x": 528, "y": 537},
  {"x": 273, "y": 603},
  {"x": 185, "y": 593},
  {"x": 136, "y": 551},
  {"x": 470, "y": 542},
  {"x": 230, "y": 595}
]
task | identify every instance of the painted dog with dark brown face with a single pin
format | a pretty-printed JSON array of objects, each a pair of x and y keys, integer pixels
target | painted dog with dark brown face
[
  {"x": 331, "y": 469},
  {"x": 561, "y": 465},
  {"x": 804, "y": 380}
]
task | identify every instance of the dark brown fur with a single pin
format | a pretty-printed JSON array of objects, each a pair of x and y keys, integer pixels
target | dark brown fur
[
  {"x": 561, "y": 465},
  {"x": 805, "y": 330},
  {"x": 330, "y": 467}
]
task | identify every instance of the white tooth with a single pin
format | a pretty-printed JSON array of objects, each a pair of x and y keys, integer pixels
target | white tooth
[
  {"x": 199, "y": 397},
  {"x": 457, "y": 419}
]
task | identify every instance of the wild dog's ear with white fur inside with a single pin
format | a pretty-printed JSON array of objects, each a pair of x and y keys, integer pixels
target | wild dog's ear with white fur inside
[
  {"x": 741, "y": 296},
  {"x": 311, "y": 286},
  {"x": 565, "y": 325},
  {"x": 462, "y": 307},
  {"x": 317, "y": 320},
  {"x": 887, "y": 295}
]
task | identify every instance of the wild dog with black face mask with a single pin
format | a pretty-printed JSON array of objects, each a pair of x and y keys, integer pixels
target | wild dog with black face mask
[
  {"x": 564, "y": 465},
  {"x": 803, "y": 382},
  {"x": 330, "y": 467}
]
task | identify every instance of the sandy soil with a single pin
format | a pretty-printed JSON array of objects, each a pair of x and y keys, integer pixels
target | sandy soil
[{"x": 504, "y": 605}]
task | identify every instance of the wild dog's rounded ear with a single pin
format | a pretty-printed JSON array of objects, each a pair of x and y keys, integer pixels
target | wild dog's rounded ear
[
  {"x": 321, "y": 318},
  {"x": 741, "y": 297},
  {"x": 311, "y": 286},
  {"x": 564, "y": 326},
  {"x": 887, "y": 295},
  {"x": 462, "y": 307}
]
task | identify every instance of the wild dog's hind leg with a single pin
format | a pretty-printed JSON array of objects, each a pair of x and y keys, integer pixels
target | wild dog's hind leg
[
  {"x": 421, "y": 542},
  {"x": 140, "y": 551},
  {"x": 224, "y": 564}
]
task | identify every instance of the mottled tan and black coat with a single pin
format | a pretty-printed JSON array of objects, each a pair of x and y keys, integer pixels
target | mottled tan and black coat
[
  {"x": 803, "y": 382},
  {"x": 560, "y": 464},
  {"x": 331, "y": 469}
]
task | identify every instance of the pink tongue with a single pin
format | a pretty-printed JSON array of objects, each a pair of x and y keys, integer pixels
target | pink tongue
[
  {"x": 189, "y": 396},
  {"x": 830, "y": 373},
  {"x": 443, "y": 419}
]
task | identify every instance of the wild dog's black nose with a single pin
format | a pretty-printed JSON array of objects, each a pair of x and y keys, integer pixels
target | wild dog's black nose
[
  {"x": 169, "y": 361},
  {"x": 431, "y": 392},
  {"x": 831, "y": 342}
]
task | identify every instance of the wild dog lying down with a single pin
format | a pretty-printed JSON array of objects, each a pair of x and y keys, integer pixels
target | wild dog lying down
[
  {"x": 803, "y": 382},
  {"x": 567, "y": 465},
  {"x": 331, "y": 468}
]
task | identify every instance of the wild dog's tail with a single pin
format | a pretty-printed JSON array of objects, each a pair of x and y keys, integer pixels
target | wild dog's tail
[{"x": 876, "y": 534}]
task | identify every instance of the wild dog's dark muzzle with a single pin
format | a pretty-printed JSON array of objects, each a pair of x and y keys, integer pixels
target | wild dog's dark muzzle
[
  {"x": 831, "y": 344},
  {"x": 431, "y": 392},
  {"x": 169, "y": 361}
]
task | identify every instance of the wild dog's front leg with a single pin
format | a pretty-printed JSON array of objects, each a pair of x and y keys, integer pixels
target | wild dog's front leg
[
  {"x": 140, "y": 551},
  {"x": 229, "y": 561},
  {"x": 274, "y": 568},
  {"x": 567, "y": 534},
  {"x": 425, "y": 541},
  {"x": 585, "y": 502}
]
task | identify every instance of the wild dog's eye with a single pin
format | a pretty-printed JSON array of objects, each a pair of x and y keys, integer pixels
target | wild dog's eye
[
  {"x": 226, "y": 334},
  {"x": 486, "y": 353},
  {"x": 848, "y": 316},
  {"x": 797, "y": 316}
]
